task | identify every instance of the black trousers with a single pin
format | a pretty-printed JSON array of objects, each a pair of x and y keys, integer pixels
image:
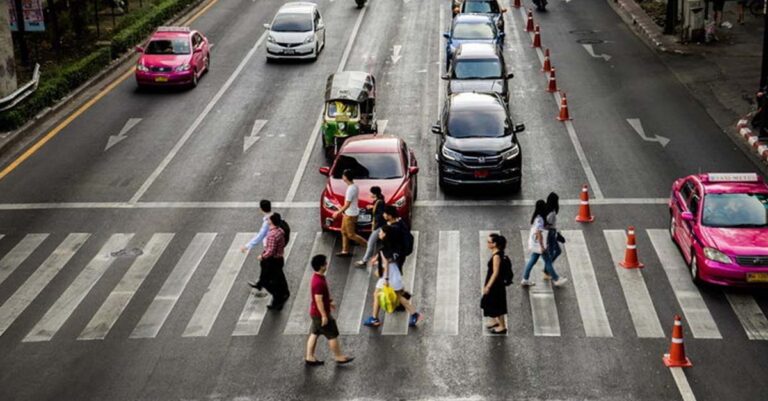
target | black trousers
[{"x": 273, "y": 280}]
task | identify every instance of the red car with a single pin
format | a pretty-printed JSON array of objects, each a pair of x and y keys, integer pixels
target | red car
[
  {"x": 377, "y": 160},
  {"x": 173, "y": 56}
]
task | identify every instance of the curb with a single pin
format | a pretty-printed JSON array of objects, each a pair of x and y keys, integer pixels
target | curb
[
  {"x": 644, "y": 26},
  {"x": 759, "y": 147}
]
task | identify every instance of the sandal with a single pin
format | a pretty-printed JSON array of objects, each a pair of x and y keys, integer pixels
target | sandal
[
  {"x": 313, "y": 363},
  {"x": 346, "y": 361},
  {"x": 498, "y": 332},
  {"x": 344, "y": 254},
  {"x": 493, "y": 326}
]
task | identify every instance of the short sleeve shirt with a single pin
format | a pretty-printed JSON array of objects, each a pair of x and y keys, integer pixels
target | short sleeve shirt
[
  {"x": 351, "y": 197},
  {"x": 533, "y": 244},
  {"x": 319, "y": 286}
]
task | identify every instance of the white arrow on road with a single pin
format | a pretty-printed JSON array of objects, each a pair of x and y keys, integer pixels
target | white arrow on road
[
  {"x": 396, "y": 54},
  {"x": 115, "y": 139},
  {"x": 591, "y": 52},
  {"x": 249, "y": 140},
  {"x": 638, "y": 126}
]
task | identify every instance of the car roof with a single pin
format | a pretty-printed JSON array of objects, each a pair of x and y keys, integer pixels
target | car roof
[
  {"x": 472, "y": 18},
  {"x": 726, "y": 186},
  {"x": 297, "y": 7},
  {"x": 371, "y": 144},
  {"x": 475, "y": 101},
  {"x": 477, "y": 50},
  {"x": 172, "y": 32}
]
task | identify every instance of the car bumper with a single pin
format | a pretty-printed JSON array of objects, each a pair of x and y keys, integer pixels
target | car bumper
[
  {"x": 164, "y": 78},
  {"x": 298, "y": 52},
  {"x": 731, "y": 275},
  {"x": 455, "y": 174}
]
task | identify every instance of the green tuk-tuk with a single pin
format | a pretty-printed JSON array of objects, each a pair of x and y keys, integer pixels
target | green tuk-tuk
[{"x": 350, "y": 101}]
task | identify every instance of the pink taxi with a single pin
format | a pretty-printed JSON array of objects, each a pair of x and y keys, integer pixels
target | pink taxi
[
  {"x": 173, "y": 56},
  {"x": 720, "y": 223}
]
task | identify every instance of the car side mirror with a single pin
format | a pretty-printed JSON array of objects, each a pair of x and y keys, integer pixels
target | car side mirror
[
  {"x": 687, "y": 216},
  {"x": 326, "y": 171},
  {"x": 445, "y": 77},
  {"x": 436, "y": 129},
  {"x": 447, "y": 35},
  {"x": 268, "y": 26},
  {"x": 519, "y": 128},
  {"x": 510, "y": 75},
  {"x": 139, "y": 49},
  {"x": 413, "y": 170}
]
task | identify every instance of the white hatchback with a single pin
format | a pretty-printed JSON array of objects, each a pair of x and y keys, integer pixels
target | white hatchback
[{"x": 297, "y": 31}]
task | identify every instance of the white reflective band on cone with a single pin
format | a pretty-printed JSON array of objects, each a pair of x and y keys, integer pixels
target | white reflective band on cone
[
  {"x": 584, "y": 202},
  {"x": 631, "y": 246},
  {"x": 677, "y": 340}
]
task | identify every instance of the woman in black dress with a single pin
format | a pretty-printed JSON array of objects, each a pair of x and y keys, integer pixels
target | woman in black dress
[{"x": 494, "y": 301}]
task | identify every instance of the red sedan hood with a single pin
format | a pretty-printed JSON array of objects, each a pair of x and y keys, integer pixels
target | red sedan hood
[
  {"x": 738, "y": 241},
  {"x": 389, "y": 188},
  {"x": 165, "y": 60}
]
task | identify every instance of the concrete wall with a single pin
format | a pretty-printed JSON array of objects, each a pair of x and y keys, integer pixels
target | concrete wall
[{"x": 8, "y": 82}]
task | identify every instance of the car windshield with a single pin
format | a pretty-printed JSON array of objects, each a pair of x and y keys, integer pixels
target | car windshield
[
  {"x": 477, "y": 124},
  {"x": 477, "y": 69},
  {"x": 735, "y": 210},
  {"x": 339, "y": 108},
  {"x": 292, "y": 23},
  {"x": 369, "y": 166},
  {"x": 473, "y": 30},
  {"x": 168, "y": 46},
  {"x": 481, "y": 7}
]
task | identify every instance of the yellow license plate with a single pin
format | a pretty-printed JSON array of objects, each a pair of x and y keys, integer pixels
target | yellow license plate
[
  {"x": 161, "y": 79},
  {"x": 757, "y": 277}
]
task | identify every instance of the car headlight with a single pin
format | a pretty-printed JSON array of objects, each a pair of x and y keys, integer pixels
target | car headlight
[
  {"x": 511, "y": 153},
  {"x": 399, "y": 203},
  {"x": 142, "y": 67},
  {"x": 451, "y": 154},
  {"x": 183, "y": 67},
  {"x": 329, "y": 204},
  {"x": 715, "y": 255},
  {"x": 309, "y": 39},
  {"x": 271, "y": 39},
  {"x": 342, "y": 126}
]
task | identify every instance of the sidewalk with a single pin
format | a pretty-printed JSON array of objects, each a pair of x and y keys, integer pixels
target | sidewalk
[{"x": 723, "y": 76}]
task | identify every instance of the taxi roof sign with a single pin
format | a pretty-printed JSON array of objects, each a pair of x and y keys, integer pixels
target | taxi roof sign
[
  {"x": 732, "y": 177},
  {"x": 173, "y": 29}
]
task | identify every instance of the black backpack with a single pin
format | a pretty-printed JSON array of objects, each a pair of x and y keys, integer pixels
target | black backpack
[
  {"x": 407, "y": 238},
  {"x": 507, "y": 275}
]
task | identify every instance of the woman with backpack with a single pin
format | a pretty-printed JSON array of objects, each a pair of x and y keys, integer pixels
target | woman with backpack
[{"x": 494, "y": 300}]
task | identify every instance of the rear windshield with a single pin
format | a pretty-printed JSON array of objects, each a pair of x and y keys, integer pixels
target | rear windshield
[
  {"x": 735, "y": 210},
  {"x": 481, "y": 7},
  {"x": 369, "y": 166},
  {"x": 477, "y": 69},
  {"x": 473, "y": 30},
  {"x": 292, "y": 23},
  {"x": 168, "y": 46},
  {"x": 477, "y": 124}
]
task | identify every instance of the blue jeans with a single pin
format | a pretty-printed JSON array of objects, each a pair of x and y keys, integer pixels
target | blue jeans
[
  {"x": 548, "y": 268},
  {"x": 373, "y": 240}
]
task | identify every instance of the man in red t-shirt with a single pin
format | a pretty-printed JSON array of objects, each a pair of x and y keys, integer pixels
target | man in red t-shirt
[{"x": 320, "y": 309}]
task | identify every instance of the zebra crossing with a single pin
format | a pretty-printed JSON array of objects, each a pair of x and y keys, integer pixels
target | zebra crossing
[{"x": 440, "y": 260}]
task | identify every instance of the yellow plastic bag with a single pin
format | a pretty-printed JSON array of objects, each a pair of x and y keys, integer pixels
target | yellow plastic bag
[{"x": 388, "y": 299}]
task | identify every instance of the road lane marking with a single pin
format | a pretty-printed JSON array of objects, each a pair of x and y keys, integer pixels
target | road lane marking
[
  {"x": 588, "y": 295},
  {"x": 395, "y": 57},
  {"x": 253, "y": 137},
  {"x": 298, "y": 319},
  {"x": 355, "y": 294},
  {"x": 694, "y": 308},
  {"x": 215, "y": 295},
  {"x": 13, "y": 259},
  {"x": 546, "y": 322},
  {"x": 446, "y": 319},
  {"x": 638, "y": 127},
  {"x": 591, "y": 51},
  {"x": 82, "y": 109},
  {"x": 682, "y": 384},
  {"x": 316, "y": 129},
  {"x": 157, "y": 312},
  {"x": 192, "y": 128},
  {"x": 397, "y": 323},
  {"x": 255, "y": 309},
  {"x": 20, "y": 300},
  {"x": 101, "y": 322},
  {"x": 750, "y": 315},
  {"x": 485, "y": 256},
  {"x": 635, "y": 291},
  {"x": 57, "y": 314},
  {"x": 115, "y": 139}
]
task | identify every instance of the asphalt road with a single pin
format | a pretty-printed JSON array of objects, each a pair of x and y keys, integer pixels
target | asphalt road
[{"x": 186, "y": 189}]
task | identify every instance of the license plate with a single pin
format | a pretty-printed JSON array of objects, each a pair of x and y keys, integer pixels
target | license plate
[
  {"x": 481, "y": 173},
  {"x": 364, "y": 219},
  {"x": 289, "y": 51},
  {"x": 161, "y": 79},
  {"x": 757, "y": 277}
]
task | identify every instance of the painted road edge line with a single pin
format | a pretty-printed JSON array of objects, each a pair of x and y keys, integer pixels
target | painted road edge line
[{"x": 682, "y": 384}]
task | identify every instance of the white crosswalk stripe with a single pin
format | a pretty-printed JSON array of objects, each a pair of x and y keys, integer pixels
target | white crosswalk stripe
[
  {"x": 47, "y": 327},
  {"x": 13, "y": 259},
  {"x": 118, "y": 299},
  {"x": 397, "y": 323},
  {"x": 298, "y": 319},
  {"x": 446, "y": 319},
  {"x": 700, "y": 321},
  {"x": 158, "y": 311},
  {"x": 355, "y": 293},
  {"x": 546, "y": 322},
  {"x": 31, "y": 288},
  {"x": 750, "y": 315}
]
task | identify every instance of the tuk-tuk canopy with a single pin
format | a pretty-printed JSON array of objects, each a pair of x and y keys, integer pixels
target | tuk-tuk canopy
[{"x": 350, "y": 85}]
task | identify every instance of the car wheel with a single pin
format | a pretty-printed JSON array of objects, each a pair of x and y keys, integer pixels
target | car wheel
[
  {"x": 672, "y": 228},
  {"x": 441, "y": 182},
  {"x": 194, "y": 79},
  {"x": 317, "y": 52},
  {"x": 415, "y": 191},
  {"x": 694, "y": 267},
  {"x": 323, "y": 40},
  {"x": 207, "y": 63},
  {"x": 515, "y": 186},
  {"x": 269, "y": 60}
]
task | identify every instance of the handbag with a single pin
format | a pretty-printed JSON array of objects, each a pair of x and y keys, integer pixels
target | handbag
[
  {"x": 388, "y": 299},
  {"x": 560, "y": 238}
]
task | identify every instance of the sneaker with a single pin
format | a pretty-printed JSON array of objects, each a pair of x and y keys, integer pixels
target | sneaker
[
  {"x": 260, "y": 294},
  {"x": 372, "y": 322},
  {"x": 361, "y": 263},
  {"x": 254, "y": 284},
  {"x": 560, "y": 282},
  {"x": 415, "y": 319},
  {"x": 527, "y": 283},
  {"x": 546, "y": 277}
]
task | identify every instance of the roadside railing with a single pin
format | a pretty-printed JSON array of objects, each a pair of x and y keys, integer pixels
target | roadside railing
[{"x": 20, "y": 94}]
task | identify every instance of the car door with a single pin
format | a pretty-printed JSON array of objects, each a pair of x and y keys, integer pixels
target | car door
[
  {"x": 680, "y": 205},
  {"x": 319, "y": 28},
  {"x": 694, "y": 206},
  {"x": 197, "y": 53}
]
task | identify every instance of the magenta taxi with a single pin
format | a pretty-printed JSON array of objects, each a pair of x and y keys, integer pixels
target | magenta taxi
[
  {"x": 720, "y": 223},
  {"x": 173, "y": 56}
]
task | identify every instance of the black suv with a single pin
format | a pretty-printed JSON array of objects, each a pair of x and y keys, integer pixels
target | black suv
[
  {"x": 478, "y": 142},
  {"x": 478, "y": 67}
]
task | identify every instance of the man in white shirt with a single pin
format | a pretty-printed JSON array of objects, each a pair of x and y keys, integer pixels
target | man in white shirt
[
  {"x": 261, "y": 237},
  {"x": 349, "y": 213}
]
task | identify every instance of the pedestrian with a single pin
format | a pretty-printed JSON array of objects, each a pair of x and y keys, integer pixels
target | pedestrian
[
  {"x": 349, "y": 213},
  {"x": 377, "y": 211},
  {"x": 323, "y": 323},
  {"x": 537, "y": 246},
  {"x": 494, "y": 299},
  {"x": 742, "y": 4},
  {"x": 402, "y": 239},
  {"x": 273, "y": 263},
  {"x": 554, "y": 238},
  {"x": 266, "y": 209},
  {"x": 390, "y": 275},
  {"x": 717, "y": 7}
]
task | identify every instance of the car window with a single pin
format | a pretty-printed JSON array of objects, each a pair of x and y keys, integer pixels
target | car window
[
  {"x": 736, "y": 210},
  {"x": 168, "y": 46},
  {"x": 317, "y": 18},
  {"x": 404, "y": 153},
  {"x": 339, "y": 108},
  {"x": 693, "y": 204},
  {"x": 292, "y": 23},
  {"x": 686, "y": 190},
  {"x": 477, "y": 69},
  {"x": 369, "y": 166},
  {"x": 477, "y": 124},
  {"x": 481, "y": 7},
  {"x": 473, "y": 30}
]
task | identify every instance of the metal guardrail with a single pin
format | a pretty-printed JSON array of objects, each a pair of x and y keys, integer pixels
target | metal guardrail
[{"x": 20, "y": 94}]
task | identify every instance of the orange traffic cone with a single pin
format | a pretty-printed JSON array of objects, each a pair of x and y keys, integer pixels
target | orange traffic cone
[
  {"x": 552, "y": 87},
  {"x": 630, "y": 255},
  {"x": 537, "y": 37},
  {"x": 564, "y": 116},
  {"x": 516, "y": 4},
  {"x": 529, "y": 25},
  {"x": 585, "y": 215},
  {"x": 676, "y": 357},
  {"x": 547, "y": 64}
]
